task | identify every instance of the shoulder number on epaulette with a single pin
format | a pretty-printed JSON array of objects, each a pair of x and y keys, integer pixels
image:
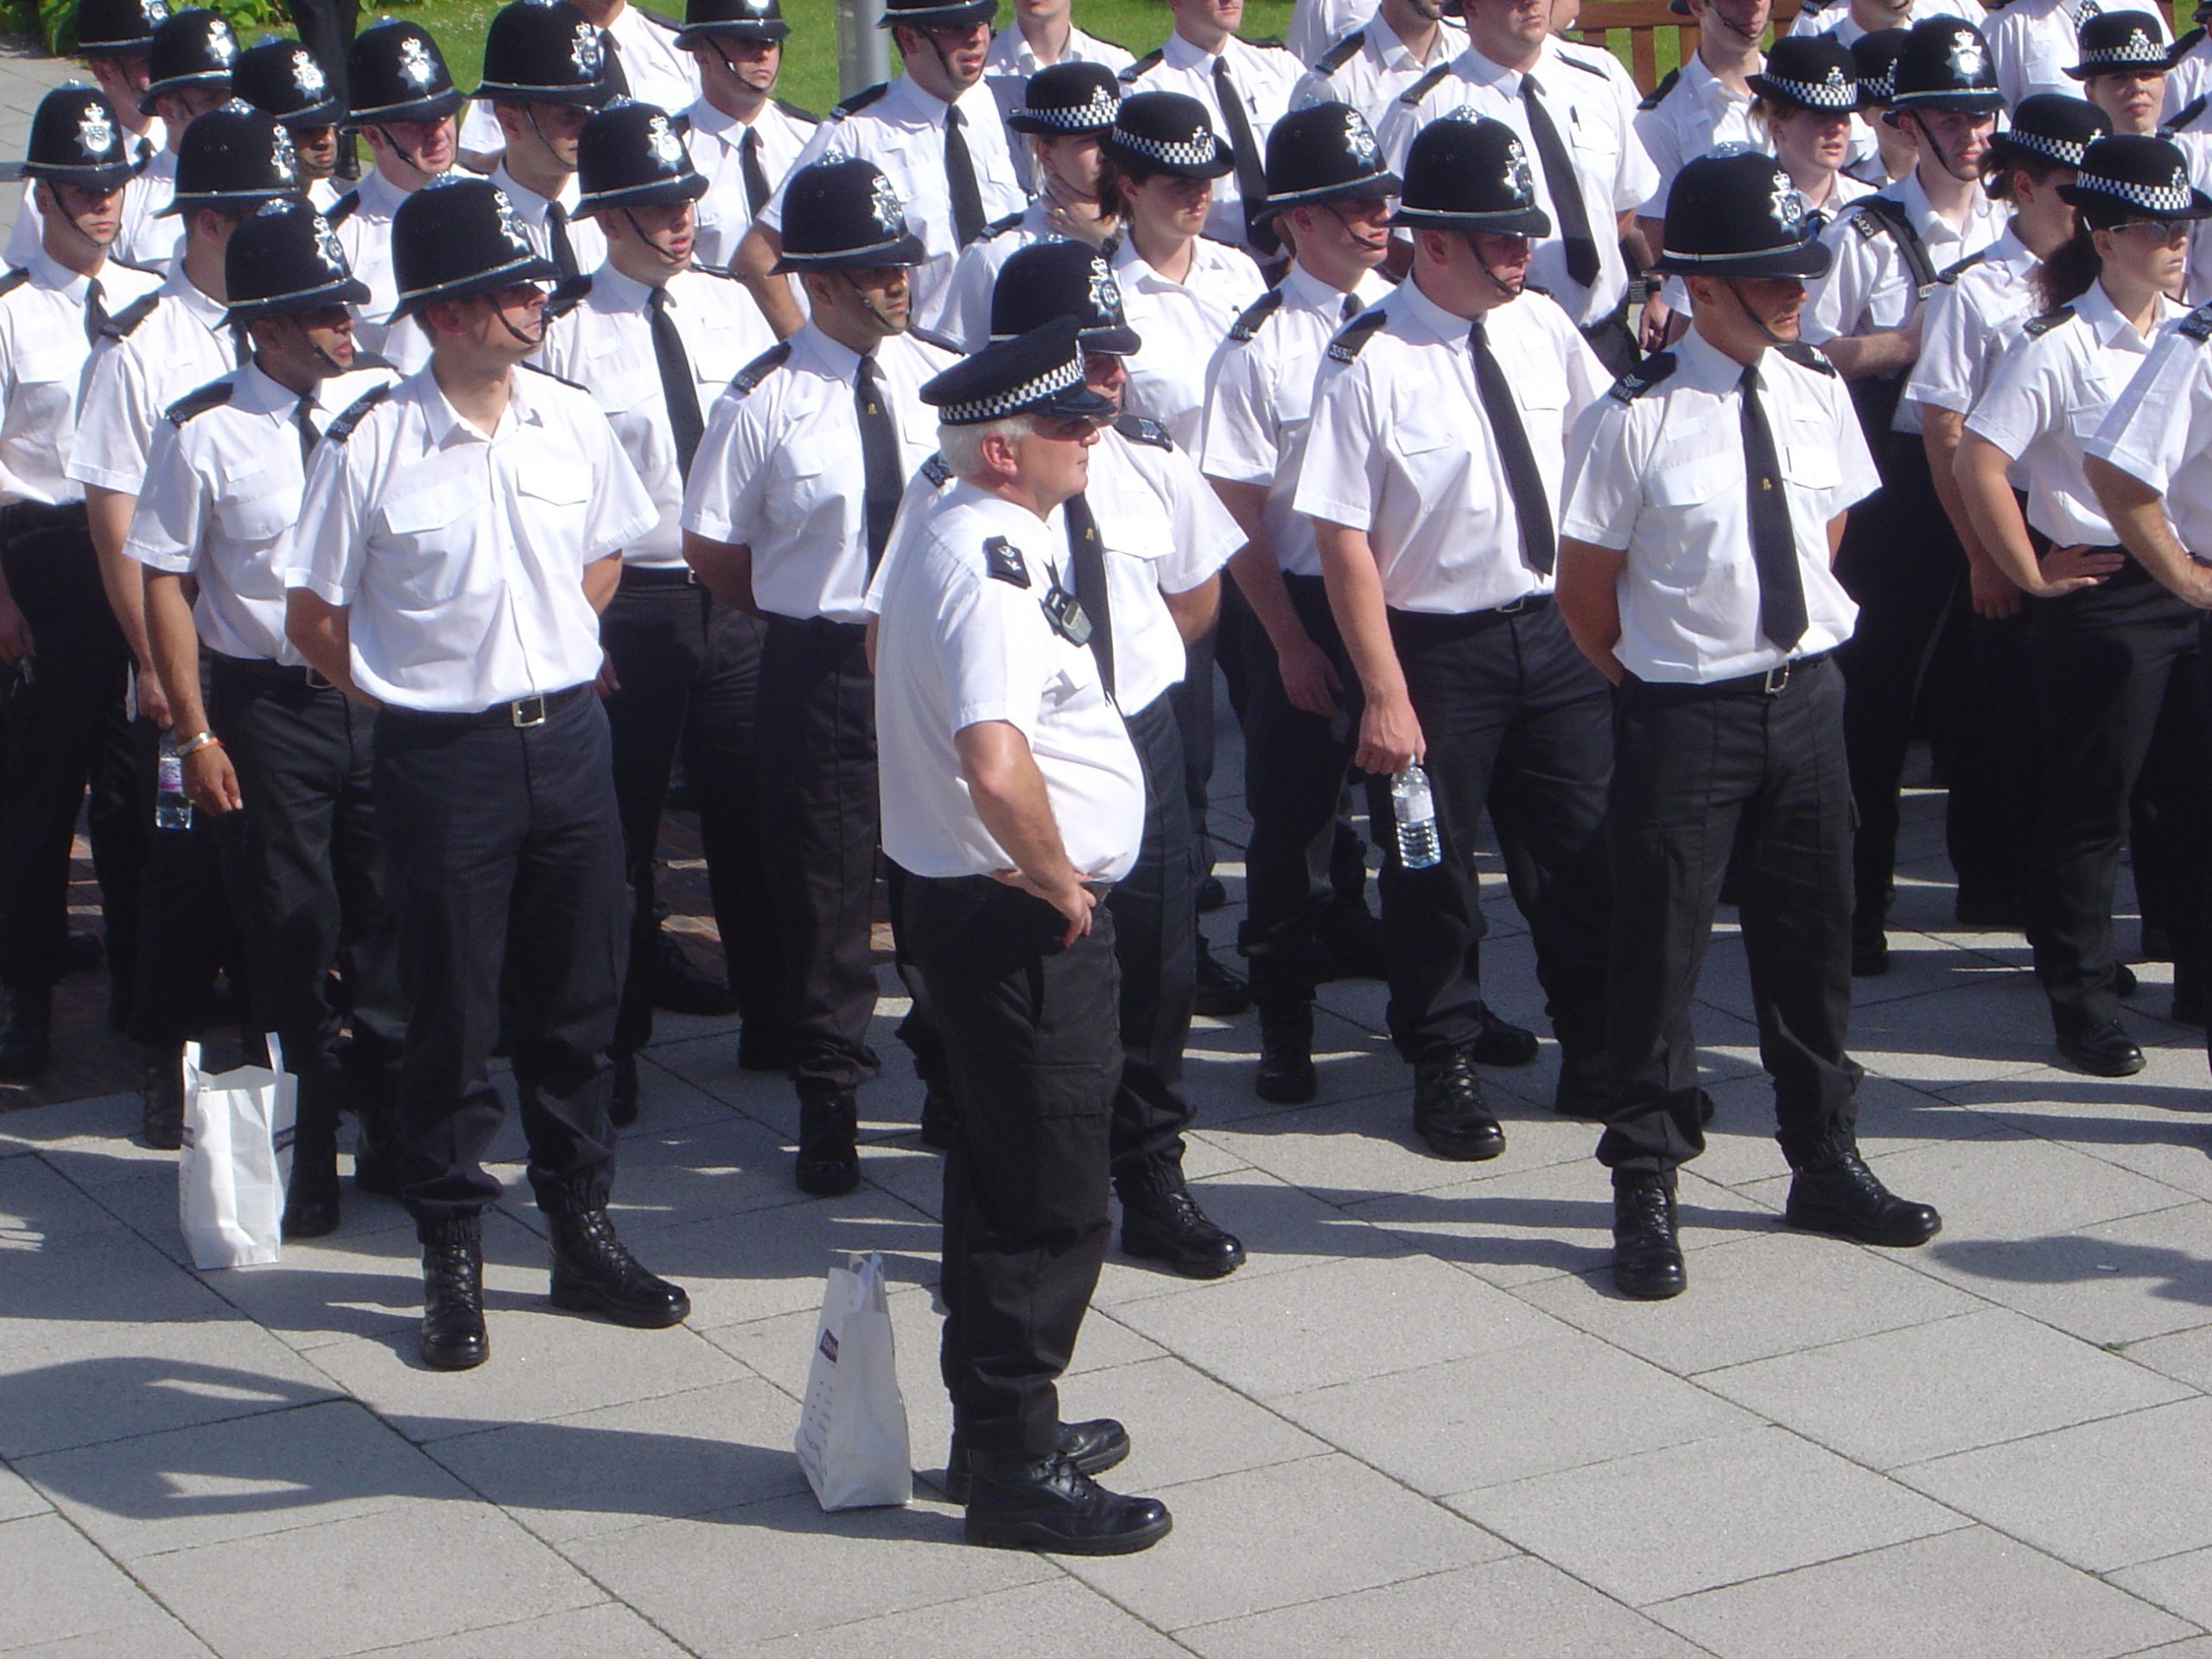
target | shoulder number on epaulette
[
  {"x": 2049, "y": 320},
  {"x": 1002, "y": 559},
  {"x": 214, "y": 395},
  {"x": 352, "y": 415},
  {"x": 1352, "y": 338},
  {"x": 1142, "y": 428},
  {"x": 937, "y": 471},
  {"x": 1428, "y": 83},
  {"x": 748, "y": 378},
  {"x": 1001, "y": 226},
  {"x": 125, "y": 322},
  {"x": 1952, "y": 273},
  {"x": 1254, "y": 316},
  {"x": 1808, "y": 357},
  {"x": 1644, "y": 375},
  {"x": 2198, "y": 325}
]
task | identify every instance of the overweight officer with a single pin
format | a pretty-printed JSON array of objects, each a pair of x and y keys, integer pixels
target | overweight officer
[
  {"x": 743, "y": 139},
  {"x": 787, "y": 514},
  {"x": 1706, "y": 497},
  {"x": 459, "y": 537},
  {"x": 62, "y": 650},
  {"x": 283, "y": 79},
  {"x": 273, "y": 740},
  {"x": 654, "y": 342},
  {"x": 1431, "y": 474},
  {"x": 544, "y": 75},
  {"x": 1013, "y": 799}
]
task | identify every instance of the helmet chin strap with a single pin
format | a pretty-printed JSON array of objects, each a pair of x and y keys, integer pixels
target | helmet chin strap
[
  {"x": 869, "y": 305},
  {"x": 1943, "y": 156},
  {"x": 647, "y": 238},
  {"x": 76, "y": 222},
  {"x": 400, "y": 150},
  {"x": 1753, "y": 317},
  {"x": 1511, "y": 290},
  {"x": 533, "y": 341},
  {"x": 1730, "y": 23}
]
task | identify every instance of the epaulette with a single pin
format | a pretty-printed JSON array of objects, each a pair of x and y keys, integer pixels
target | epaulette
[
  {"x": 140, "y": 266},
  {"x": 563, "y": 379},
  {"x": 125, "y": 321},
  {"x": 1001, "y": 226},
  {"x": 1142, "y": 428},
  {"x": 706, "y": 270},
  {"x": 668, "y": 23},
  {"x": 2189, "y": 42},
  {"x": 1250, "y": 320},
  {"x": 15, "y": 279},
  {"x": 1807, "y": 357},
  {"x": 2186, "y": 117},
  {"x": 936, "y": 471},
  {"x": 749, "y": 378},
  {"x": 1674, "y": 79},
  {"x": 2048, "y": 321},
  {"x": 1585, "y": 65},
  {"x": 1352, "y": 338},
  {"x": 1143, "y": 66},
  {"x": 931, "y": 337},
  {"x": 2198, "y": 325},
  {"x": 1644, "y": 375},
  {"x": 1341, "y": 54},
  {"x": 1527, "y": 286},
  {"x": 342, "y": 209},
  {"x": 1867, "y": 221},
  {"x": 859, "y": 100},
  {"x": 1952, "y": 273},
  {"x": 1003, "y": 560},
  {"x": 1265, "y": 43},
  {"x": 1414, "y": 94},
  {"x": 680, "y": 124},
  {"x": 214, "y": 395},
  {"x": 797, "y": 113},
  {"x": 351, "y": 415},
  {"x": 371, "y": 360}
]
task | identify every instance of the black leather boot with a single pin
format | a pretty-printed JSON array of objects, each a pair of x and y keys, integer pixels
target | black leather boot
[
  {"x": 1020, "y": 1501},
  {"x": 162, "y": 1118},
  {"x": 1286, "y": 1074},
  {"x": 26, "y": 1031},
  {"x": 622, "y": 1096},
  {"x": 1503, "y": 1043},
  {"x": 1647, "y": 1256},
  {"x": 940, "y": 1119},
  {"x": 1222, "y": 991},
  {"x": 311, "y": 1197},
  {"x": 454, "y": 1338},
  {"x": 1449, "y": 1111},
  {"x": 828, "y": 1161},
  {"x": 1845, "y": 1197},
  {"x": 594, "y": 1273},
  {"x": 680, "y": 988},
  {"x": 1093, "y": 1447},
  {"x": 1162, "y": 1222}
]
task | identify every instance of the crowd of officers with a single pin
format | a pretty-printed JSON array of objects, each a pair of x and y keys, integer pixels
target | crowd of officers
[{"x": 1649, "y": 472}]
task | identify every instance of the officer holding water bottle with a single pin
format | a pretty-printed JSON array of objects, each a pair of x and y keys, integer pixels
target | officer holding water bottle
[{"x": 1432, "y": 474}]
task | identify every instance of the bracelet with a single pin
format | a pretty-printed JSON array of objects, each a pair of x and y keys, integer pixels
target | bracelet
[{"x": 192, "y": 745}]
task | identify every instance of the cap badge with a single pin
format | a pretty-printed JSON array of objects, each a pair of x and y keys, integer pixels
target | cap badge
[
  {"x": 667, "y": 148},
  {"x": 586, "y": 53},
  {"x": 1787, "y": 206},
  {"x": 415, "y": 60},
  {"x": 95, "y": 133},
  {"x": 1518, "y": 179},
  {"x": 327, "y": 248},
  {"x": 1965, "y": 56},
  {"x": 1105, "y": 292},
  {"x": 283, "y": 158},
  {"x": 154, "y": 11},
  {"x": 884, "y": 203},
  {"x": 2139, "y": 46},
  {"x": 307, "y": 74},
  {"x": 510, "y": 226},
  {"x": 1358, "y": 140},
  {"x": 222, "y": 45}
]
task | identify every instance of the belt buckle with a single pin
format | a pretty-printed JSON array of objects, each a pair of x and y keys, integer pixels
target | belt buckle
[
  {"x": 526, "y": 712},
  {"x": 1776, "y": 678},
  {"x": 316, "y": 682},
  {"x": 1516, "y": 607}
]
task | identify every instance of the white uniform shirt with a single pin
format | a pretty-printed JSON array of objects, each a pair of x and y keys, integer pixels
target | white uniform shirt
[
  {"x": 1974, "y": 319},
  {"x": 959, "y": 647},
  {"x": 1165, "y": 531},
  {"x": 2195, "y": 145},
  {"x": 1834, "y": 18},
  {"x": 2033, "y": 43},
  {"x": 1316, "y": 25},
  {"x": 150, "y": 240},
  {"x": 1182, "y": 324},
  {"x": 1696, "y": 113},
  {"x": 1260, "y": 395},
  {"x": 902, "y": 131},
  {"x": 586, "y": 240},
  {"x": 2191, "y": 75},
  {"x": 2159, "y": 429},
  {"x": 179, "y": 347},
  {"x": 1371, "y": 71},
  {"x": 2048, "y": 398},
  {"x": 1614, "y": 173},
  {"x": 43, "y": 352},
  {"x": 460, "y": 555},
  {"x": 365, "y": 234},
  {"x": 715, "y": 141},
  {"x": 1264, "y": 75},
  {"x": 1399, "y": 446},
  {"x": 605, "y": 345},
  {"x": 1662, "y": 478},
  {"x": 658, "y": 71},
  {"x": 221, "y": 500},
  {"x": 780, "y": 470},
  {"x": 964, "y": 313}
]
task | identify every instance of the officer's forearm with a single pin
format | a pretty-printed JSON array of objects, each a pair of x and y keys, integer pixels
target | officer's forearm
[
  {"x": 601, "y": 578},
  {"x": 755, "y": 259},
  {"x": 1588, "y": 597},
  {"x": 1011, "y": 799},
  {"x": 724, "y": 568},
  {"x": 1977, "y": 475},
  {"x": 108, "y": 513},
  {"x": 1941, "y": 431},
  {"x": 175, "y": 643},
  {"x": 1195, "y": 609},
  {"x": 1355, "y": 585},
  {"x": 1257, "y": 574},
  {"x": 2137, "y": 516},
  {"x": 323, "y": 633},
  {"x": 1860, "y": 357}
]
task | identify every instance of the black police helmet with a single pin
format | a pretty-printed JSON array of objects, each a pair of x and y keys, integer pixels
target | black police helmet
[
  {"x": 937, "y": 14},
  {"x": 286, "y": 259},
  {"x": 1062, "y": 279},
  {"x": 458, "y": 236},
  {"x": 234, "y": 158},
  {"x": 747, "y": 20},
  {"x": 2056, "y": 126},
  {"x": 2135, "y": 175},
  {"x": 396, "y": 73},
  {"x": 1736, "y": 214},
  {"x": 1810, "y": 72},
  {"x": 284, "y": 78},
  {"x": 1466, "y": 172},
  {"x": 1325, "y": 152},
  {"x": 1066, "y": 98},
  {"x": 1167, "y": 132},
  {"x": 193, "y": 48},
  {"x": 1876, "y": 54},
  {"x": 2120, "y": 42},
  {"x": 116, "y": 27},
  {"x": 630, "y": 155},
  {"x": 845, "y": 215},
  {"x": 1039, "y": 372},
  {"x": 543, "y": 52},
  {"x": 1944, "y": 65},
  {"x": 77, "y": 139}
]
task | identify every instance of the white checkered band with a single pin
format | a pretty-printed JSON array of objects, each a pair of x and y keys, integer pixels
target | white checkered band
[
  {"x": 2138, "y": 48},
  {"x": 1098, "y": 113},
  {"x": 1198, "y": 150},
  {"x": 2067, "y": 152},
  {"x": 1834, "y": 93},
  {"x": 2174, "y": 198},
  {"x": 1066, "y": 377}
]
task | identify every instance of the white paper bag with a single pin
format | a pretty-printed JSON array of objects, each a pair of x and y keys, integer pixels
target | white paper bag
[
  {"x": 852, "y": 1429},
  {"x": 237, "y": 1159}
]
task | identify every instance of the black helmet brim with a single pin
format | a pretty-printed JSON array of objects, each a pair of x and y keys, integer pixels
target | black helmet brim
[
  {"x": 1376, "y": 186},
  {"x": 1532, "y": 222},
  {"x": 346, "y": 290},
  {"x": 1807, "y": 261},
  {"x": 531, "y": 268},
  {"x": 905, "y": 250},
  {"x": 661, "y": 193}
]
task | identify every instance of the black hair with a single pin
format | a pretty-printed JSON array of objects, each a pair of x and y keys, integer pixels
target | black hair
[
  {"x": 2070, "y": 269},
  {"x": 2003, "y": 161}
]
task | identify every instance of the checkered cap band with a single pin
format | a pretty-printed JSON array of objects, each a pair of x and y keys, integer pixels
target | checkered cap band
[
  {"x": 2174, "y": 198},
  {"x": 1066, "y": 377},
  {"x": 1817, "y": 94},
  {"x": 1198, "y": 150},
  {"x": 2137, "y": 48},
  {"x": 2068, "y": 152},
  {"x": 1098, "y": 113}
]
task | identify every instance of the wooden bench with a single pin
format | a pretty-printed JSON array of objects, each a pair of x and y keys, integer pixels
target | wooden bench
[{"x": 1643, "y": 21}]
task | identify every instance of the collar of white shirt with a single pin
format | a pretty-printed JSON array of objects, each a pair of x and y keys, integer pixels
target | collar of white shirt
[
  {"x": 1702, "y": 365},
  {"x": 1011, "y": 51},
  {"x": 1131, "y": 267},
  {"x": 528, "y": 202},
  {"x": 839, "y": 361},
  {"x": 2095, "y": 309},
  {"x": 48, "y": 272},
  {"x": 254, "y": 393},
  {"x": 1489, "y": 72},
  {"x": 380, "y": 197},
  {"x": 1420, "y": 314},
  {"x": 208, "y": 310},
  {"x": 910, "y": 104},
  {"x": 1710, "y": 90},
  {"x": 1935, "y": 230},
  {"x": 1392, "y": 52},
  {"x": 720, "y": 124},
  {"x": 612, "y": 291},
  {"x": 445, "y": 426},
  {"x": 1179, "y": 54},
  {"x": 1302, "y": 288}
]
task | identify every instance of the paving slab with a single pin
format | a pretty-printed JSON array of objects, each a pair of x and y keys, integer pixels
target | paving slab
[
  {"x": 605, "y": 1632},
  {"x": 2186, "y": 1356},
  {"x": 2181, "y": 1584},
  {"x": 1055, "y": 1619},
  {"x": 59, "y": 1587}
]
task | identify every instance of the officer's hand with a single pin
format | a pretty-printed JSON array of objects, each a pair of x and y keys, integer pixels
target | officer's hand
[
  {"x": 1071, "y": 216},
  {"x": 1308, "y": 679},
  {"x": 1389, "y": 736},
  {"x": 1994, "y": 595},
  {"x": 608, "y": 682},
  {"x": 211, "y": 782},
  {"x": 1657, "y": 314},
  {"x": 14, "y": 632},
  {"x": 1072, "y": 899},
  {"x": 153, "y": 704},
  {"x": 2070, "y": 569}
]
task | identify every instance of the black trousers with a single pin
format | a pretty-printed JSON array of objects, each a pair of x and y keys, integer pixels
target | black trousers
[
  {"x": 1156, "y": 933},
  {"x": 1516, "y": 720},
  {"x": 1697, "y": 770},
  {"x": 1192, "y": 699},
  {"x": 506, "y": 848},
  {"x": 1032, "y": 1030},
  {"x": 309, "y": 889},
  {"x": 689, "y": 669},
  {"x": 2120, "y": 701},
  {"x": 819, "y": 814},
  {"x": 65, "y": 718},
  {"x": 187, "y": 936},
  {"x": 1996, "y": 765}
]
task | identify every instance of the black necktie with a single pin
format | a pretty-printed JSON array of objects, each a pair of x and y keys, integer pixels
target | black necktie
[
  {"x": 1353, "y": 306},
  {"x": 95, "y": 310},
  {"x": 618, "y": 84},
  {"x": 304, "y": 418},
  {"x": 1251, "y": 170},
  {"x": 557, "y": 232},
  {"x": 1774, "y": 547},
  {"x": 1539, "y": 548},
  {"x": 960, "y": 177},
  {"x": 1561, "y": 185},
  {"x": 1088, "y": 554},
  {"x": 885, "y": 480},
  {"x": 756, "y": 176},
  {"x": 677, "y": 386}
]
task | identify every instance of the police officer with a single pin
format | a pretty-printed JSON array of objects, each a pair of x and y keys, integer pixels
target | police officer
[
  {"x": 2036, "y": 43},
  {"x": 401, "y": 99},
  {"x": 544, "y": 75},
  {"x": 2189, "y": 73},
  {"x": 787, "y": 514},
  {"x": 1372, "y": 66},
  {"x": 232, "y": 160},
  {"x": 457, "y": 538},
  {"x": 1011, "y": 799},
  {"x": 1696, "y": 578},
  {"x": 1852, "y": 20},
  {"x": 2120, "y": 66},
  {"x": 272, "y": 741},
  {"x": 1042, "y": 36},
  {"x": 113, "y": 37},
  {"x": 1431, "y": 474},
  {"x": 188, "y": 74},
  {"x": 1147, "y": 540},
  {"x": 934, "y": 132},
  {"x": 63, "y": 651},
  {"x": 743, "y": 138},
  {"x": 654, "y": 342},
  {"x": 282, "y": 79}
]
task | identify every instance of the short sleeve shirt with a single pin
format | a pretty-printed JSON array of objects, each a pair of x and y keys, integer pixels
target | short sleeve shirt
[
  {"x": 1182, "y": 324},
  {"x": 1371, "y": 72},
  {"x": 44, "y": 351},
  {"x": 1697, "y": 112},
  {"x": 181, "y": 346},
  {"x": 2159, "y": 429},
  {"x": 715, "y": 142},
  {"x": 1973, "y": 318},
  {"x": 365, "y": 234}
]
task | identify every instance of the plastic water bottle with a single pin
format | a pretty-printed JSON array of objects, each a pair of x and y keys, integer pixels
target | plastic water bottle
[
  {"x": 172, "y": 811},
  {"x": 1418, "y": 847}
]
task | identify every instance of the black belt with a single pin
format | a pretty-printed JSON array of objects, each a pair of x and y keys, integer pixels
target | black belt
[
  {"x": 1428, "y": 626},
  {"x": 25, "y": 518},
  {"x": 272, "y": 673},
  {"x": 523, "y": 712},
  {"x": 1772, "y": 683},
  {"x": 643, "y": 575}
]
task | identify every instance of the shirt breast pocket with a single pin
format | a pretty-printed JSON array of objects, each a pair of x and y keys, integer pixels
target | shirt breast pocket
[
  {"x": 262, "y": 518},
  {"x": 2081, "y": 423},
  {"x": 553, "y": 501},
  {"x": 1811, "y": 465},
  {"x": 427, "y": 543}
]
